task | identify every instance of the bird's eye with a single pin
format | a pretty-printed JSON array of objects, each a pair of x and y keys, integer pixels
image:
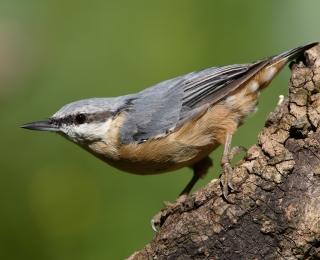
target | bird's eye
[{"x": 81, "y": 118}]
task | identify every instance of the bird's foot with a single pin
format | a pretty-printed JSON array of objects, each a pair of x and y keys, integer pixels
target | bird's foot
[
  {"x": 155, "y": 221},
  {"x": 180, "y": 199},
  {"x": 227, "y": 171}
]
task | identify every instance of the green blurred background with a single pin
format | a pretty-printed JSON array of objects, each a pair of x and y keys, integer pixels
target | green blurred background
[{"x": 58, "y": 201}]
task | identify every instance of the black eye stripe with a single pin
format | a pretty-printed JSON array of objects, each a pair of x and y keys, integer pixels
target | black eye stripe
[{"x": 72, "y": 119}]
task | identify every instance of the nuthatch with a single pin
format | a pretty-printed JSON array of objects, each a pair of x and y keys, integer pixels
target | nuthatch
[{"x": 173, "y": 124}]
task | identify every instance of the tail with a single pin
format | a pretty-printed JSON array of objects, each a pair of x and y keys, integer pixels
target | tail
[
  {"x": 292, "y": 54},
  {"x": 211, "y": 85},
  {"x": 275, "y": 64}
]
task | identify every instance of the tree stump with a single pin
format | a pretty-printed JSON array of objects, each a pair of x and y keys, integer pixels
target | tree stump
[{"x": 276, "y": 214}]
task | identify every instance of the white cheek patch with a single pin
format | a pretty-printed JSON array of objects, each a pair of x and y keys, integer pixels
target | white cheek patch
[
  {"x": 88, "y": 131},
  {"x": 95, "y": 131},
  {"x": 269, "y": 74},
  {"x": 67, "y": 130},
  {"x": 99, "y": 131}
]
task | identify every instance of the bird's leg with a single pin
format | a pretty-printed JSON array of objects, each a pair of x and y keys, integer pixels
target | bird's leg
[
  {"x": 200, "y": 169},
  {"x": 228, "y": 154}
]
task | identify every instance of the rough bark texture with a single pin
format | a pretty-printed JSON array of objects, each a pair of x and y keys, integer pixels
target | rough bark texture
[{"x": 277, "y": 213}]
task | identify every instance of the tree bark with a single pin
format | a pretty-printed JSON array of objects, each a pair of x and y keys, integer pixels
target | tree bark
[{"x": 276, "y": 214}]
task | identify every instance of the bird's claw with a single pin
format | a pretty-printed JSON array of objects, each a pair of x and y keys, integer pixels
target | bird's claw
[
  {"x": 156, "y": 220},
  {"x": 155, "y": 223}
]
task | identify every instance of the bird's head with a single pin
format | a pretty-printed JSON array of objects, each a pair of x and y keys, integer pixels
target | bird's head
[{"x": 83, "y": 121}]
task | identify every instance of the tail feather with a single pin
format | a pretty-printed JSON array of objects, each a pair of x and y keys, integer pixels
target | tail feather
[{"x": 294, "y": 53}]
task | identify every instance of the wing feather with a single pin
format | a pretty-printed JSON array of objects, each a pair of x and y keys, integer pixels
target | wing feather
[
  {"x": 215, "y": 79},
  {"x": 163, "y": 107}
]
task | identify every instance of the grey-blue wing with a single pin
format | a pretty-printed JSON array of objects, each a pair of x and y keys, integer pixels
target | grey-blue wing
[
  {"x": 158, "y": 109},
  {"x": 210, "y": 81}
]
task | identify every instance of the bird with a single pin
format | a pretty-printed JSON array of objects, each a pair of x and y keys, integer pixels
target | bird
[{"x": 174, "y": 124}]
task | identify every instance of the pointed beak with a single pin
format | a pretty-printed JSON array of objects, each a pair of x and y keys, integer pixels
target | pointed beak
[{"x": 45, "y": 125}]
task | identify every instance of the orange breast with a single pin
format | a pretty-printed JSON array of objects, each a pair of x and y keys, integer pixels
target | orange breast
[{"x": 193, "y": 141}]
